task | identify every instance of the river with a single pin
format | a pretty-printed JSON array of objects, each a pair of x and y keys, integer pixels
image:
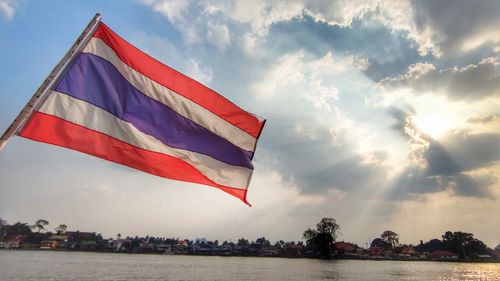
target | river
[{"x": 78, "y": 266}]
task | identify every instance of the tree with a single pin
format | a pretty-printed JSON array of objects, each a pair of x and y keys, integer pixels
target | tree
[
  {"x": 380, "y": 243},
  {"x": 263, "y": 241},
  {"x": 328, "y": 226},
  {"x": 309, "y": 235},
  {"x": 18, "y": 229},
  {"x": 430, "y": 246},
  {"x": 391, "y": 238},
  {"x": 463, "y": 244},
  {"x": 321, "y": 240},
  {"x": 61, "y": 229},
  {"x": 279, "y": 244},
  {"x": 243, "y": 242},
  {"x": 40, "y": 225}
]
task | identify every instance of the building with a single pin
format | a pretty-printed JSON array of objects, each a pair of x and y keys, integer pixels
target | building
[
  {"x": 49, "y": 244},
  {"x": 443, "y": 255}
]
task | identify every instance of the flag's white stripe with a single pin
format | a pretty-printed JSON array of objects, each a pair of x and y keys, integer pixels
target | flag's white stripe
[
  {"x": 178, "y": 103},
  {"x": 97, "y": 119}
]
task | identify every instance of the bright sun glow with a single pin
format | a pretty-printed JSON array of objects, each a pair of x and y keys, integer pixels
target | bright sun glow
[{"x": 432, "y": 124}]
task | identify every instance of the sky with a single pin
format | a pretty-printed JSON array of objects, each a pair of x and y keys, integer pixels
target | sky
[{"x": 381, "y": 114}]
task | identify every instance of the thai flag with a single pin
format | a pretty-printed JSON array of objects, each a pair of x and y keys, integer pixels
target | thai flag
[{"x": 117, "y": 103}]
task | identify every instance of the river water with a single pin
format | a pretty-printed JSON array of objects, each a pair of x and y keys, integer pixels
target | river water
[{"x": 41, "y": 265}]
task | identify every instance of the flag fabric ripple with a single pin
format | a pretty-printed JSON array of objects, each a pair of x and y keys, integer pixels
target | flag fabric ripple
[{"x": 117, "y": 103}]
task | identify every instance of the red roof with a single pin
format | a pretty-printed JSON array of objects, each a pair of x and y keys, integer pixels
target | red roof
[
  {"x": 443, "y": 253},
  {"x": 345, "y": 246}
]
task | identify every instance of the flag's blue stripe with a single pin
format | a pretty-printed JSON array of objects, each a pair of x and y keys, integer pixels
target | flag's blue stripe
[{"x": 98, "y": 82}]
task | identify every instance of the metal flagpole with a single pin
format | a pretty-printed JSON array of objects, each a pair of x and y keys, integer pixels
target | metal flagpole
[{"x": 40, "y": 94}]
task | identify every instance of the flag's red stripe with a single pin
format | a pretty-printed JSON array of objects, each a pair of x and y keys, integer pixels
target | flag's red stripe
[
  {"x": 179, "y": 82},
  {"x": 54, "y": 130}
]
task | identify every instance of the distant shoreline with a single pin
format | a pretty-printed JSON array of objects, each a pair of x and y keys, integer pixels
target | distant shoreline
[{"x": 256, "y": 256}]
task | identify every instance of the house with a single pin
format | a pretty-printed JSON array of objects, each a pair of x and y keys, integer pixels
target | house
[
  {"x": 81, "y": 236},
  {"x": 60, "y": 239},
  {"x": 376, "y": 251},
  {"x": 443, "y": 255},
  {"x": 16, "y": 242},
  {"x": 49, "y": 244},
  {"x": 346, "y": 249},
  {"x": 119, "y": 245},
  {"x": 293, "y": 250},
  {"x": 269, "y": 251},
  {"x": 408, "y": 251}
]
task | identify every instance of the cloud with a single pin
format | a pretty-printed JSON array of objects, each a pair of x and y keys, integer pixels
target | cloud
[
  {"x": 7, "y": 9},
  {"x": 174, "y": 10},
  {"x": 470, "y": 186},
  {"x": 460, "y": 162},
  {"x": 306, "y": 65},
  {"x": 316, "y": 162},
  {"x": 449, "y": 27},
  {"x": 308, "y": 139},
  {"x": 484, "y": 119},
  {"x": 467, "y": 152},
  {"x": 198, "y": 72},
  {"x": 469, "y": 83},
  {"x": 218, "y": 35},
  {"x": 177, "y": 12}
]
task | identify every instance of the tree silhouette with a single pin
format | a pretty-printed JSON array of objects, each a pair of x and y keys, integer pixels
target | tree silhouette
[
  {"x": 391, "y": 238},
  {"x": 40, "y": 225},
  {"x": 328, "y": 226},
  {"x": 61, "y": 229},
  {"x": 321, "y": 240},
  {"x": 379, "y": 242},
  {"x": 463, "y": 244}
]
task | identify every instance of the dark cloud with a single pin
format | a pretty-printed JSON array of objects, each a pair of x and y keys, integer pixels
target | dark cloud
[
  {"x": 412, "y": 181},
  {"x": 451, "y": 160},
  {"x": 484, "y": 119},
  {"x": 466, "y": 185},
  {"x": 448, "y": 163},
  {"x": 470, "y": 151},
  {"x": 317, "y": 163},
  {"x": 388, "y": 52},
  {"x": 473, "y": 82},
  {"x": 440, "y": 161},
  {"x": 459, "y": 154},
  {"x": 400, "y": 116},
  {"x": 454, "y": 23}
]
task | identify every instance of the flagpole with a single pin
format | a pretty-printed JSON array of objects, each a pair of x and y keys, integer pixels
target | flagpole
[{"x": 40, "y": 94}]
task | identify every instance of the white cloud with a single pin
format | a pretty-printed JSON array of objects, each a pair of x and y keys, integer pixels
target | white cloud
[
  {"x": 198, "y": 72},
  {"x": 7, "y": 9},
  {"x": 437, "y": 27},
  {"x": 316, "y": 76},
  {"x": 173, "y": 9},
  {"x": 176, "y": 11},
  {"x": 218, "y": 35}
]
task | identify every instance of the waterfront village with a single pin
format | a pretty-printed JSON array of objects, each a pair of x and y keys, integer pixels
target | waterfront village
[{"x": 318, "y": 243}]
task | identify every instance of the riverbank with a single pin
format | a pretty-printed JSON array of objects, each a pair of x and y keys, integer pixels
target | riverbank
[{"x": 342, "y": 257}]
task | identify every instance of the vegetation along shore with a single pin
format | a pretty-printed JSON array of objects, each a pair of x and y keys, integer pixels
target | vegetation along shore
[{"x": 318, "y": 242}]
